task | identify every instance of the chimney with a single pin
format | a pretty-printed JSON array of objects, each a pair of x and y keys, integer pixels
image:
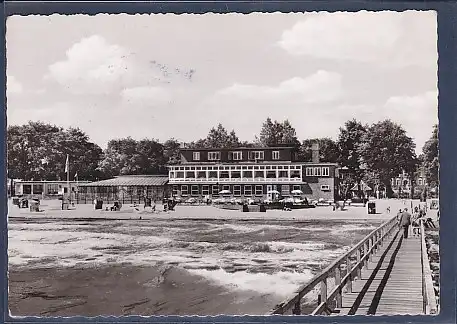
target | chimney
[{"x": 315, "y": 153}]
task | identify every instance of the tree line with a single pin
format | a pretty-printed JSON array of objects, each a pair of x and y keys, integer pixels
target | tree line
[{"x": 371, "y": 153}]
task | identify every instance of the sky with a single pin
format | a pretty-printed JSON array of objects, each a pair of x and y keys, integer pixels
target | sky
[{"x": 163, "y": 76}]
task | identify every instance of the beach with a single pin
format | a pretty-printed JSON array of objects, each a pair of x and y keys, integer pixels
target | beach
[{"x": 194, "y": 261}]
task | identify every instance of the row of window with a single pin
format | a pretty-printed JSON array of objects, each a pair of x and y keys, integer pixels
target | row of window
[
  {"x": 237, "y": 167},
  {"x": 248, "y": 190},
  {"x": 317, "y": 171},
  {"x": 235, "y": 174},
  {"x": 236, "y": 155},
  {"x": 406, "y": 182}
]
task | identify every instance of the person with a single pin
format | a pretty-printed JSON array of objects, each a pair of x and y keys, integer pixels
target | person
[
  {"x": 399, "y": 215},
  {"x": 405, "y": 221}
]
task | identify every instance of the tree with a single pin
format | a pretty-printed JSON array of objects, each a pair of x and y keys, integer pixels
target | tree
[
  {"x": 38, "y": 151},
  {"x": 388, "y": 151},
  {"x": 276, "y": 134},
  {"x": 431, "y": 158},
  {"x": 128, "y": 156},
  {"x": 350, "y": 139},
  {"x": 218, "y": 137},
  {"x": 171, "y": 151},
  {"x": 328, "y": 150}
]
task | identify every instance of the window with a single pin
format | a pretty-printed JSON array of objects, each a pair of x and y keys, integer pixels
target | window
[
  {"x": 397, "y": 182},
  {"x": 309, "y": 172},
  {"x": 52, "y": 189},
  {"x": 190, "y": 174},
  {"x": 215, "y": 190},
  {"x": 247, "y": 174},
  {"x": 325, "y": 171},
  {"x": 283, "y": 174},
  {"x": 419, "y": 182},
  {"x": 237, "y": 191},
  {"x": 236, "y": 174},
  {"x": 196, "y": 156},
  {"x": 38, "y": 188},
  {"x": 258, "y": 190},
  {"x": 175, "y": 191},
  {"x": 259, "y": 155},
  {"x": 275, "y": 155},
  {"x": 259, "y": 174},
  {"x": 271, "y": 174},
  {"x": 285, "y": 190},
  {"x": 325, "y": 188},
  {"x": 237, "y": 156},
  {"x": 214, "y": 156},
  {"x": 295, "y": 174},
  {"x": 248, "y": 190},
  {"x": 226, "y": 187},
  {"x": 205, "y": 190},
  {"x": 224, "y": 175},
  {"x": 26, "y": 189},
  {"x": 195, "y": 190},
  {"x": 212, "y": 174},
  {"x": 317, "y": 172},
  {"x": 296, "y": 187},
  {"x": 180, "y": 174},
  {"x": 184, "y": 190},
  {"x": 201, "y": 174}
]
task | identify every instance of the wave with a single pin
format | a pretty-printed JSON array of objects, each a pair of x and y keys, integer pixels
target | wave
[{"x": 280, "y": 283}]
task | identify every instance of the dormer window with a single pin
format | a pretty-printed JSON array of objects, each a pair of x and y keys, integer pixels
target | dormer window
[
  {"x": 196, "y": 156},
  {"x": 275, "y": 155},
  {"x": 257, "y": 155},
  {"x": 237, "y": 156},
  {"x": 214, "y": 156}
]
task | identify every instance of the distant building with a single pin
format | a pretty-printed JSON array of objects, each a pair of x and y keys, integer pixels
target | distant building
[
  {"x": 402, "y": 185},
  {"x": 126, "y": 188},
  {"x": 251, "y": 172},
  {"x": 45, "y": 189}
]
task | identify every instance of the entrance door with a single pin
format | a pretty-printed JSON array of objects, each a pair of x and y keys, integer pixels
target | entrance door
[{"x": 269, "y": 194}]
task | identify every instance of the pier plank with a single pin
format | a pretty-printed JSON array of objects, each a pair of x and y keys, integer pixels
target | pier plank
[{"x": 390, "y": 284}]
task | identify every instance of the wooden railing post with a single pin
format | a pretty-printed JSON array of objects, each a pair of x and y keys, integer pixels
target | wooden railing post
[
  {"x": 370, "y": 246},
  {"x": 359, "y": 270},
  {"x": 324, "y": 290},
  {"x": 297, "y": 308},
  {"x": 366, "y": 248},
  {"x": 349, "y": 271},
  {"x": 339, "y": 297}
]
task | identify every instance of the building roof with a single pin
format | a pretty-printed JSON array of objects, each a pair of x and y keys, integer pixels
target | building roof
[
  {"x": 129, "y": 180},
  {"x": 364, "y": 187}
]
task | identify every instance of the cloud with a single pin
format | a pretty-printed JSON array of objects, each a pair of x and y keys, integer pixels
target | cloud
[
  {"x": 391, "y": 38},
  {"x": 321, "y": 86},
  {"x": 13, "y": 86},
  {"x": 94, "y": 66}
]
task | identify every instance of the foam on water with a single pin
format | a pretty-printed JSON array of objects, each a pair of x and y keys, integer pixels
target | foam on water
[{"x": 279, "y": 283}]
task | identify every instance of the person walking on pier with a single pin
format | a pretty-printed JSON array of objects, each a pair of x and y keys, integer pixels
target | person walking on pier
[{"x": 405, "y": 221}]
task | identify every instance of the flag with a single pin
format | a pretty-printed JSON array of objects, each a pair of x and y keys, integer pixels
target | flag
[{"x": 67, "y": 165}]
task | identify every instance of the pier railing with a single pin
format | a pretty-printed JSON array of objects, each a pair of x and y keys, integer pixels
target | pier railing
[
  {"x": 428, "y": 292},
  {"x": 343, "y": 271}
]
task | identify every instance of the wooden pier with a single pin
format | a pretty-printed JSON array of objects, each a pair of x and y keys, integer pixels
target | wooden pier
[{"x": 384, "y": 274}]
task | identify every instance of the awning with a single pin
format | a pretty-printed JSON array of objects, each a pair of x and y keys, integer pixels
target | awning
[{"x": 140, "y": 181}]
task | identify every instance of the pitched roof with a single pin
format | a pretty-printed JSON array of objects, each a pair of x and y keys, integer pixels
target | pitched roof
[
  {"x": 364, "y": 187},
  {"x": 136, "y": 180}
]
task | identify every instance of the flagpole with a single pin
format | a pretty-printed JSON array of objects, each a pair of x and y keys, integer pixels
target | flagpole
[{"x": 68, "y": 179}]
